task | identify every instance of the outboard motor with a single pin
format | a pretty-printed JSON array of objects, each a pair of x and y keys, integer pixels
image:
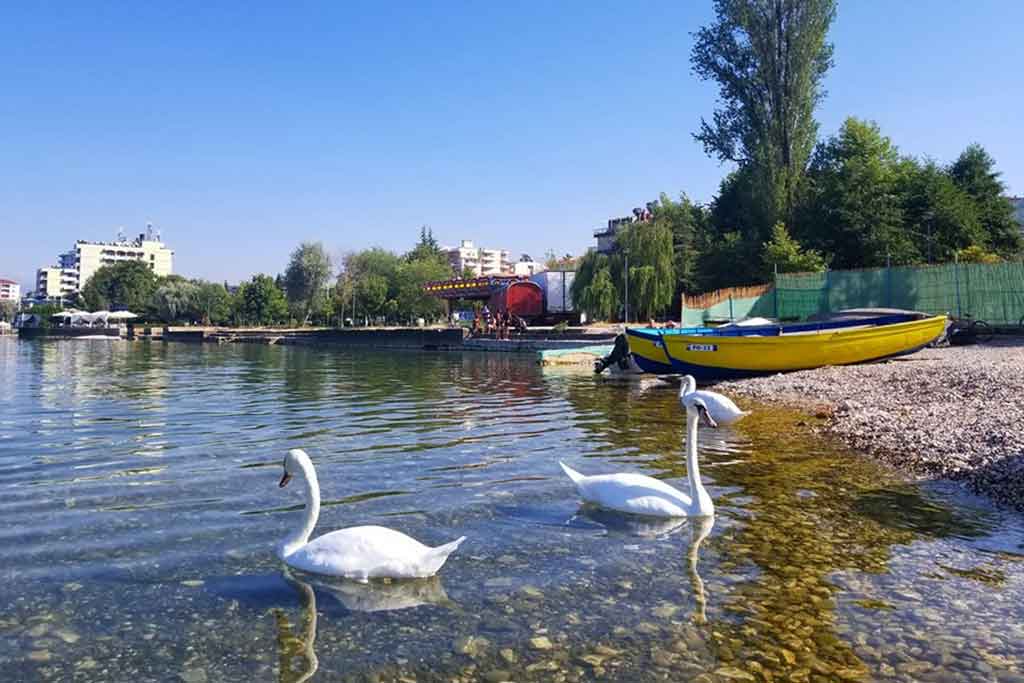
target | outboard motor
[{"x": 619, "y": 355}]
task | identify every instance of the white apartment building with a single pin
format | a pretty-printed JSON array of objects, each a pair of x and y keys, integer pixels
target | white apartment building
[
  {"x": 526, "y": 266},
  {"x": 478, "y": 259},
  {"x": 54, "y": 284},
  {"x": 9, "y": 290},
  {"x": 79, "y": 264}
]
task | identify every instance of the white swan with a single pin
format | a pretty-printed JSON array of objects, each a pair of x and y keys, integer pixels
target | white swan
[
  {"x": 721, "y": 408},
  {"x": 639, "y": 494},
  {"x": 359, "y": 552}
]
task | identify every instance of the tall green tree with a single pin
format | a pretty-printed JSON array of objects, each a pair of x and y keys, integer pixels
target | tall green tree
[
  {"x": 411, "y": 301},
  {"x": 646, "y": 250},
  {"x": 427, "y": 249},
  {"x": 371, "y": 294},
  {"x": 306, "y": 278},
  {"x": 124, "y": 285},
  {"x": 261, "y": 302},
  {"x": 593, "y": 290},
  {"x": 211, "y": 302},
  {"x": 938, "y": 217},
  {"x": 685, "y": 221},
  {"x": 852, "y": 211},
  {"x": 769, "y": 59},
  {"x": 785, "y": 255},
  {"x": 174, "y": 300},
  {"x": 974, "y": 172}
]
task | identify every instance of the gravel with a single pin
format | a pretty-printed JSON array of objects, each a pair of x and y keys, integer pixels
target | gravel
[{"x": 955, "y": 413}]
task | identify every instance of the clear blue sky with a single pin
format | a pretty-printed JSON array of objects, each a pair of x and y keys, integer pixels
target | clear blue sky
[{"x": 241, "y": 129}]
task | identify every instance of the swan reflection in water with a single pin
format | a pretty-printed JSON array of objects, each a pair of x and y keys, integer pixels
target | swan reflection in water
[
  {"x": 297, "y": 660},
  {"x": 290, "y": 646},
  {"x": 660, "y": 527}
]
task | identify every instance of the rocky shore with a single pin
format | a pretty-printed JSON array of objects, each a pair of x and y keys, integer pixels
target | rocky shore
[{"x": 954, "y": 413}]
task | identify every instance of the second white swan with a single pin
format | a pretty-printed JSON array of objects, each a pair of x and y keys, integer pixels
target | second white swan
[
  {"x": 359, "y": 552},
  {"x": 639, "y": 494},
  {"x": 720, "y": 407}
]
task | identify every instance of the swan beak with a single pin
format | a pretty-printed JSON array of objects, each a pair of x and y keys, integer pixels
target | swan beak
[
  {"x": 285, "y": 478},
  {"x": 704, "y": 416}
]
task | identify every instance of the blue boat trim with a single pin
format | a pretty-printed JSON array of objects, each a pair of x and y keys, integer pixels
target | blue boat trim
[{"x": 772, "y": 330}]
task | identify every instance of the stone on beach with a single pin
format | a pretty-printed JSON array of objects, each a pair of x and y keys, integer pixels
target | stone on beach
[{"x": 954, "y": 413}]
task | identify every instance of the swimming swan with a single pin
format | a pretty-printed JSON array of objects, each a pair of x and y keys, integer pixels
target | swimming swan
[
  {"x": 721, "y": 408},
  {"x": 639, "y": 494},
  {"x": 359, "y": 552}
]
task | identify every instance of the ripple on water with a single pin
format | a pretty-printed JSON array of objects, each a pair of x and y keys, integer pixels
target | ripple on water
[{"x": 138, "y": 490}]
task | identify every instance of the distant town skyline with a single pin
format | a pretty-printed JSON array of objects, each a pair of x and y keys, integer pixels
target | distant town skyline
[{"x": 240, "y": 132}]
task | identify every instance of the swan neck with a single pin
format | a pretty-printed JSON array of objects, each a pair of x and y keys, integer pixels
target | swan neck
[
  {"x": 701, "y": 500},
  {"x": 692, "y": 467},
  {"x": 689, "y": 385},
  {"x": 310, "y": 515}
]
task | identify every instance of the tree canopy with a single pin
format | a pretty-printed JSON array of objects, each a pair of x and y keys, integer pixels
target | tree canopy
[
  {"x": 127, "y": 285},
  {"x": 260, "y": 302},
  {"x": 769, "y": 58},
  {"x": 305, "y": 280}
]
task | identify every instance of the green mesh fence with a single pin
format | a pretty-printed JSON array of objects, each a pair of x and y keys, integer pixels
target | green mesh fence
[
  {"x": 733, "y": 308},
  {"x": 990, "y": 292}
]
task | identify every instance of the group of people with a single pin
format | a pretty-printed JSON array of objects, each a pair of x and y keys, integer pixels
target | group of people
[
  {"x": 642, "y": 215},
  {"x": 502, "y": 323}
]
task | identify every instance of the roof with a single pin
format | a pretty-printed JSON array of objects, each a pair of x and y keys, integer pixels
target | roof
[{"x": 5, "y": 281}]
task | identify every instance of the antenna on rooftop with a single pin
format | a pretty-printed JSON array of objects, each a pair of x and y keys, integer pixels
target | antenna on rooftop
[
  {"x": 120, "y": 234},
  {"x": 149, "y": 231}
]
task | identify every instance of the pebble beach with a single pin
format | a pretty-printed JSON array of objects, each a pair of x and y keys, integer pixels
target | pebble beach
[{"x": 955, "y": 413}]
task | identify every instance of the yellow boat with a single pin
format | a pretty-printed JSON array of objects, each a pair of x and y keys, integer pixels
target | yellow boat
[{"x": 746, "y": 351}]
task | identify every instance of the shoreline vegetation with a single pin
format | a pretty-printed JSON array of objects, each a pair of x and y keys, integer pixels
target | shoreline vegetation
[{"x": 943, "y": 413}]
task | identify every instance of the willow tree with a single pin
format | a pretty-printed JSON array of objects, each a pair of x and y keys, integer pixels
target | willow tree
[
  {"x": 769, "y": 58},
  {"x": 305, "y": 280},
  {"x": 593, "y": 289},
  {"x": 646, "y": 250}
]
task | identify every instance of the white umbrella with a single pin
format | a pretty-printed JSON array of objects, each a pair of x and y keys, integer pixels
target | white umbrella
[{"x": 122, "y": 315}]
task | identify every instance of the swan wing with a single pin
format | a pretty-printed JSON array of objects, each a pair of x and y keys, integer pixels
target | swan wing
[
  {"x": 721, "y": 408},
  {"x": 636, "y": 494},
  {"x": 366, "y": 552}
]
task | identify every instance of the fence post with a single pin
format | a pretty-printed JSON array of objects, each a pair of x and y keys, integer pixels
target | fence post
[
  {"x": 888, "y": 280},
  {"x": 732, "y": 317},
  {"x": 775, "y": 292},
  {"x": 828, "y": 289},
  {"x": 956, "y": 278}
]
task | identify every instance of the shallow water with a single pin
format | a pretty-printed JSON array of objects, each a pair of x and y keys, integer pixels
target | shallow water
[{"x": 140, "y": 510}]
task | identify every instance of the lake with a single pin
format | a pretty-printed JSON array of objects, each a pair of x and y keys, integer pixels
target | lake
[{"x": 140, "y": 507}]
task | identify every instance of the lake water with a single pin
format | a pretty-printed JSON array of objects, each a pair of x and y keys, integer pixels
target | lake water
[{"x": 140, "y": 508}]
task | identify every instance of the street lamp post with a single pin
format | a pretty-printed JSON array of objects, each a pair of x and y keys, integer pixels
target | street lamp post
[{"x": 625, "y": 254}]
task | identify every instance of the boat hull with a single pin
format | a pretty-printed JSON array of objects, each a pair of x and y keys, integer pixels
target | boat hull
[{"x": 727, "y": 356}]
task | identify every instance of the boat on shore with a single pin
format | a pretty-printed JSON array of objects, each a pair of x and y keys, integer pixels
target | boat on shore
[{"x": 742, "y": 350}]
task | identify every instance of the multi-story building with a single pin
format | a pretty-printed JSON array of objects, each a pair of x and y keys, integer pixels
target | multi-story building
[
  {"x": 51, "y": 286},
  {"x": 77, "y": 265},
  {"x": 526, "y": 266},
  {"x": 9, "y": 290},
  {"x": 479, "y": 260},
  {"x": 606, "y": 235}
]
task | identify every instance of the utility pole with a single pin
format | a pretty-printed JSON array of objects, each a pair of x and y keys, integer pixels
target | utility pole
[
  {"x": 930, "y": 217},
  {"x": 626, "y": 274}
]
